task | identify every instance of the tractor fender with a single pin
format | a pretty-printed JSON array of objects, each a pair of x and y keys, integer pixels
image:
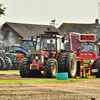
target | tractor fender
[
  {"x": 21, "y": 51},
  {"x": 45, "y": 53},
  {"x": 96, "y": 59}
]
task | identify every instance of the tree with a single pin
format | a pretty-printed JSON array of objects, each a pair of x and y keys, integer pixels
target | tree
[{"x": 2, "y": 9}]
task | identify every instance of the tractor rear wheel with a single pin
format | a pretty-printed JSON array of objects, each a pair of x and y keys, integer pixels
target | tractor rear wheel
[
  {"x": 2, "y": 63},
  {"x": 97, "y": 66},
  {"x": 67, "y": 63},
  {"x": 61, "y": 62},
  {"x": 71, "y": 64},
  {"x": 51, "y": 68},
  {"x": 24, "y": 65}
]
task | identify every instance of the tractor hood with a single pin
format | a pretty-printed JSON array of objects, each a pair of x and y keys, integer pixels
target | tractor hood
[{"x": 86, "y": 55}]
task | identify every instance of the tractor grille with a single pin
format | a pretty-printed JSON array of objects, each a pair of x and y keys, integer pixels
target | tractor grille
[{"x": 36, "y": 58}]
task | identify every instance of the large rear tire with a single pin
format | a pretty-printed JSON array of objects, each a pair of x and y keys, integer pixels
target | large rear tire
[
  {"x": 71, "y": 65},
  {"x": 67, "y": 63},
  {"x": 97, "y": 66},
  {"x": 24, "y": 64},
  {"x": 51, "y": 68},
  {"x": 62, "y": 62},
  {"x": 2, "y": 63}
]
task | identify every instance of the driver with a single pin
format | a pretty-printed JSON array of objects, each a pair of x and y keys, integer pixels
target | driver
[
  {"x": 50, "y": 46},
  {"x": 90, "y": 49}
]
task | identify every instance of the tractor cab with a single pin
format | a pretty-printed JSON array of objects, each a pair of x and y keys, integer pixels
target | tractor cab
[
  {"x": 88, "y": 48},
  {"x": 27, "y": 45},
  {"x": 12, "y": 48},
  {"x": 49, "y": 42}
]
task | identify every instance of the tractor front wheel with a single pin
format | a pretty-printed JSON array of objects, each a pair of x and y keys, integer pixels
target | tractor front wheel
[
  {"x": 51, "y": 68},
  {"x": 24, "y": 65}
]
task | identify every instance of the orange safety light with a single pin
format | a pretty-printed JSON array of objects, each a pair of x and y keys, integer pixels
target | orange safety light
[
  {"x": 65, "y": 38},
  {"x": 87, "y": 32},
  {"x": 19, "y": 38},
  {"x": 64, "y": 34},
  {"x": 72, "y": 50},
  {"x": 76, "y": 38}
]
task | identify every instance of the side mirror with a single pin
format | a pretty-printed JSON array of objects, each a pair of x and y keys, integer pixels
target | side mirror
[
  {"x": 63, "y": 39},
  {"x": 31, "y": 38}
]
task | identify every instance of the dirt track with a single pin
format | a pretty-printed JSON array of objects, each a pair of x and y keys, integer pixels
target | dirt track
[{"x": 83, "y": 90}]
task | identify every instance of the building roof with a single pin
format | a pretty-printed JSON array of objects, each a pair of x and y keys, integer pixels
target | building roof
[
  {"x": 79, "y": 28},
  {"x": 27, "y": 30}
]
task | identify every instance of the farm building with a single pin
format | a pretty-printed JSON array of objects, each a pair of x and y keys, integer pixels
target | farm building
[
  {"x": 11, "y": 32},
  {"x": 79, "y": 28}
]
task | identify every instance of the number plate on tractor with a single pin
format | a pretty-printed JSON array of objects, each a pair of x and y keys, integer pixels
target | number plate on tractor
[
  {"x": 87, "y": 37},
  {"x": 94, "y": 70}
]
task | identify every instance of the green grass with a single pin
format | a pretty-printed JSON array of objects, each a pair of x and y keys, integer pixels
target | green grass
[
  {"x": 23, "y": 80},
  {"x": 45, "y": 80}
]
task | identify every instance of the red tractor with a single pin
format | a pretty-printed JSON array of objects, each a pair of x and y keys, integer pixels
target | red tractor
[
  {"x": 86, "y": 48},
  {"x": 49, "y": 57}
]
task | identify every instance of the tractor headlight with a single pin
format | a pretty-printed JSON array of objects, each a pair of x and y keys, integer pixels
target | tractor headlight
[
  {"x": 92, "y": 61},
  {"x": 36, "y": 57}
]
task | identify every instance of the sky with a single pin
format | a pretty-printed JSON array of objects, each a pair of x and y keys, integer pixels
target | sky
[{"x": 43, "y": 11}]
